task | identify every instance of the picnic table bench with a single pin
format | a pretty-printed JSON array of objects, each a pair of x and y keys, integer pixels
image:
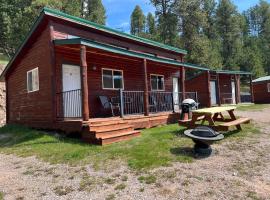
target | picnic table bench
[{"x": 213, "y": 115}]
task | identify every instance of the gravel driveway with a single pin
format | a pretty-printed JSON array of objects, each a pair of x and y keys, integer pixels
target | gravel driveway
[{"x": 237, "y": 170}]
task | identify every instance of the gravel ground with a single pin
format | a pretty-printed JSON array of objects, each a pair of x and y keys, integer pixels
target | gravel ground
[{"x": 237, "y": 170}]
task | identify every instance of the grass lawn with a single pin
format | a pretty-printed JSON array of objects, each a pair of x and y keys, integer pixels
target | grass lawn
[
  {"x": 252, "y": 107},
  {"x": 158, "y": 146}
]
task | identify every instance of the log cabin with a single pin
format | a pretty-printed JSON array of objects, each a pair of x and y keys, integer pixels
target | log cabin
[
  {"x": 219, "y": 87},
  {"x": 261, "y": 90},
  {"x": 74, "y": 75}
]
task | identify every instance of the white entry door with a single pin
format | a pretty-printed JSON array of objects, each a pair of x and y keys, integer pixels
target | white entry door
[
  {"x": 72, "y": 104},
  {"x": 233, "y": 92},
  {"x": 176, "y": 93},
  {"x": 213, "y": 92}
]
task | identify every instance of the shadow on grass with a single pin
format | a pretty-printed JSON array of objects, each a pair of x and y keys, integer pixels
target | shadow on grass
[
  {"x": 16, "y": 135},
  {"x": 183, "y": 151}
]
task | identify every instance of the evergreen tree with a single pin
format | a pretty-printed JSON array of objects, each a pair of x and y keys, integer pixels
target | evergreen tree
[
  {"x": 229, "y": 30},
  {"x": 150, "y": 24},
  {"x": 137, "y": 24},
  {"x": 94, "y": 11},
  {"x": 167, "y": 21}
]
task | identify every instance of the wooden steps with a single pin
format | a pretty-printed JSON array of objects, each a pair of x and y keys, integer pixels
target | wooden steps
[{"x": 107, "y": 131}]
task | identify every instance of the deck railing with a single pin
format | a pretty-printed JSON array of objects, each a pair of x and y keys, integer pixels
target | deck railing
[
  {"x": 69, "y": 104},
  {"x": 132, "y": 102},
  {"x": 226, "y": 98}
]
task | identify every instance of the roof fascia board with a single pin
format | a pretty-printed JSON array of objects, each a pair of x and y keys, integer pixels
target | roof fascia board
[{"x": 124, "y": 52}]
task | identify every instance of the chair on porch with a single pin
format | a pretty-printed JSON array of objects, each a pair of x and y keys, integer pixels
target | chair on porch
[{"x": 107, "y": 104}]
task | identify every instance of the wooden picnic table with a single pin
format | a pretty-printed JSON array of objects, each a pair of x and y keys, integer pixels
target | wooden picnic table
[{"x": 213, "y": 115}]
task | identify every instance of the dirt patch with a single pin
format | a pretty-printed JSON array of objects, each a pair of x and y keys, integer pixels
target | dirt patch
[{"x": 239, "y": 169}]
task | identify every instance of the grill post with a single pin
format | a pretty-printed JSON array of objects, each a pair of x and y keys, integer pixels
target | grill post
[{"x": 121, "y": 99}]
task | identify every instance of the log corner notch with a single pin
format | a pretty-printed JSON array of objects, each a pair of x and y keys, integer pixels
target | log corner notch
[
  {"x": 183, "y": 81},
  {"x": 146, "y": 92},
  {"x": 84, "y": 83}
]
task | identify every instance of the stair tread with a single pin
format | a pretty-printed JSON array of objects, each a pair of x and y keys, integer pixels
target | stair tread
[
  {"x": 108, "y": 129},
  {"x": 107, "y": 123},
  {"x": 118, "y": 135}
]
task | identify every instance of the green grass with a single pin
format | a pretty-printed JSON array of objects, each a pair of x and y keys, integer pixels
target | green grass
[
  {"x": 1, "y": 195},
  {"x": 156, "y": 147},
  {"x": 252, "y": 107}
]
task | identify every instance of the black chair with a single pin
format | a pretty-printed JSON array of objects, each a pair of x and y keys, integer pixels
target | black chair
[{"x": 107, "y": 104}]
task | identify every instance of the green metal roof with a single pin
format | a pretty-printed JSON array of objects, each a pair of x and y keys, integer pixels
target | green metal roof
[
  {"x": 265, "y": 78},
  {"x": 231, "y": 72},
  {"x": 122, "y": 51},
  {"x": 82, "y": 21}
]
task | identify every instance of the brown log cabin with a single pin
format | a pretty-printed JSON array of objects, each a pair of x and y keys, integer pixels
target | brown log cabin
[
  {"x": 221, "y": 87},
  {"x": 73, "y": 75},
  {"x": 261, "y": 90}
]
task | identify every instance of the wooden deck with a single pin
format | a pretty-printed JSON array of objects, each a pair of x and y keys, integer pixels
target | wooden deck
[{"x": 114, "y": 129}]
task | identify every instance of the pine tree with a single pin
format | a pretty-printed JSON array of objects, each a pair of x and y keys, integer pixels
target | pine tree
[
  {"x": 94, "y": 11},
  {"x": 137, "y": 24},
  {"x": 167, "y": 21},
  {"x": 150, "y": 24},
  {"x": 229, "y": 30}
]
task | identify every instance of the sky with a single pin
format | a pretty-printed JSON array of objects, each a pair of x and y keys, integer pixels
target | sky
[{"x": 118, "y": 11}]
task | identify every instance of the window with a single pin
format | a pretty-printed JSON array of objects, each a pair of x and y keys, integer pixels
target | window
[
  {"x": 157, "y": 82},
  {"x": 268, "y": 87},
  {"x": 112, "y": 79},
  {"x": 32, "y": 80}
]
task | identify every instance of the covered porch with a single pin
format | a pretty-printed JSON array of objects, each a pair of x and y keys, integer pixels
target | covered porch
[{"x": 95, "y": 81}]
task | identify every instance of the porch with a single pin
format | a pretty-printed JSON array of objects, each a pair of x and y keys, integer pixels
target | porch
[{"x": 109, "y": 91}]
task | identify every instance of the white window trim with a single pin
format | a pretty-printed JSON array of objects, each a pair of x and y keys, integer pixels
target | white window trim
[
  {"x": 37, "y": 89},
  {"x": 163, "y": 82},
  {"x": 118, "y": 70},
  {"x": 268, "y": 87}
]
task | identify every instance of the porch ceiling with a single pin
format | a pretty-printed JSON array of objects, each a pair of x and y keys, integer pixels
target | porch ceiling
[{"x": 122, "y": 51}]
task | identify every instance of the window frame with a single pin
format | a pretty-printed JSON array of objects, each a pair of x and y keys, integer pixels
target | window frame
[
  {"x": 27, "y": 77},
  {"x": 113, "y": 70},
  {"x": 157, "y": 84},
  {"x": 268, "y": 87}
]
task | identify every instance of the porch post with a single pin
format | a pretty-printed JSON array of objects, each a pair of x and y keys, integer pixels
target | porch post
[
  {"x": 237, "y": 88},
  {"x": 251, "y": 89},
  {"x": 84, "y": 83},
  {"x": 218, "y": 90},
  {"x": 208, "y": 88},
  {"x": 183, "y": 80},
  {"x": 146, "y": 92}
]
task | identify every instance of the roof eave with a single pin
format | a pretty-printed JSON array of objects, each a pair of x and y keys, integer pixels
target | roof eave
[{"x": 80, "y": 41}]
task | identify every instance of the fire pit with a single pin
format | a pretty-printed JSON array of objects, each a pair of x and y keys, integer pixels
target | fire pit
[{"x": 203, "y": 137}]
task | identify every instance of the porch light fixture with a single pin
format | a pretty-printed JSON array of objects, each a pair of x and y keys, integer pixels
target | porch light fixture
[{"x": 94, "y": 67}]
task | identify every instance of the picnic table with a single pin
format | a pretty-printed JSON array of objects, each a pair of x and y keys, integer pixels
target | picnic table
[{"x": 213, "y": 115}]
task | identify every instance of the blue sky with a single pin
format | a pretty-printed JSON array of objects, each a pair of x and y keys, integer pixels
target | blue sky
[{"x": 118, "y": 11}]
